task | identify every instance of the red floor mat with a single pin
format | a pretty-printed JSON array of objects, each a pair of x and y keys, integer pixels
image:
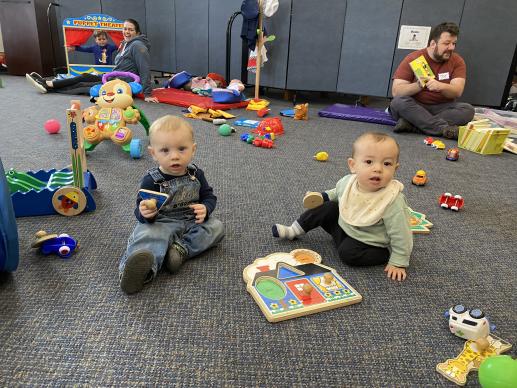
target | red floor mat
[{"x": 184, "y": 98}]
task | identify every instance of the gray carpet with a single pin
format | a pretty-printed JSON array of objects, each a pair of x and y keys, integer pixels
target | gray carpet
[{"x": 65, "y": 323}]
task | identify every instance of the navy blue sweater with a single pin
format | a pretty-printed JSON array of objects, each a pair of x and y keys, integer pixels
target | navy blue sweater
[{"x": 206, "y": 192}]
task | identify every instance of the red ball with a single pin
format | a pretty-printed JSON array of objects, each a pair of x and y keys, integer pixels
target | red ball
[{"x": 52, "y": 126}]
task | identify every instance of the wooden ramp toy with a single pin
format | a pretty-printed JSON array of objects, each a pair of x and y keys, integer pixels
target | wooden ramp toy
[
  {"x": 294, "y": 284},
  {"x": 470, "y": 359}
]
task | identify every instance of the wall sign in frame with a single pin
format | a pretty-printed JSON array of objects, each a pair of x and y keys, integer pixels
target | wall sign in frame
[{"x": 413, "y": 37}]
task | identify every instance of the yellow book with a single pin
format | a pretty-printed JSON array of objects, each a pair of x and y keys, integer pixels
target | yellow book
[{"x": 422, "y": 70}]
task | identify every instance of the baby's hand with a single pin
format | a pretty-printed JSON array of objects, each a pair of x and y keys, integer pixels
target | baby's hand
[
  {"x": 395, "y": 273},
  {"x": 199, "y": 211},
  {"x": 146, "y": 211}
]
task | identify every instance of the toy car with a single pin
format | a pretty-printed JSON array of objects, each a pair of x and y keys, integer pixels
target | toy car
[
  {"x": 468, "y": 324},
  {"x": 438, "y": 144},
  {"x": 420, "y": 178},
  {"x": 428, "y": 140},
  {"x": 452, "y": 154},
  {"x": 447, "y": 201},
  {"x": 62, "y": 245}
]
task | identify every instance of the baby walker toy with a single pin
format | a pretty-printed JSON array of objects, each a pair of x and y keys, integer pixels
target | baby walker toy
[
  {"x": 67, "y": 192},
  {"x": 472, "y": 325},
  {"x": 114, "y": 112},
  {"x": 294, "y": 284}
]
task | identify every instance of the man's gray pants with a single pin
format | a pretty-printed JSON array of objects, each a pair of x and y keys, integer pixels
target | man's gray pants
[{"x": 431, "y": 119}]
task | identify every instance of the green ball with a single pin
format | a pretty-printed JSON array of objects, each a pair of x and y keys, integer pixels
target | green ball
[
  {"x": 225, "y": 130},
  {"x": 498, "y": 372}
]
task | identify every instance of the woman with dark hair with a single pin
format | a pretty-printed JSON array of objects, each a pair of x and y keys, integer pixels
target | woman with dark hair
[{"x": 133, "y": 56}]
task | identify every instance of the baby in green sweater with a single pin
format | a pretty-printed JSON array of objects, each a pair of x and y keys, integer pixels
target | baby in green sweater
[{"x": 366, "y": 213}]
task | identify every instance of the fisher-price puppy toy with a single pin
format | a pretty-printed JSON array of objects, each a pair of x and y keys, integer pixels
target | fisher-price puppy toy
[
  {"x": 114, "y": 112},
  {"x": 472, "y": 325},
  {"x": 62, "y": 245}
]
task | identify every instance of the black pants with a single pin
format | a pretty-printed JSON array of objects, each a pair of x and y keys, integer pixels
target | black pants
[
  {"x": 86, "y": 77},
  {"x": 351, "y": 251}
]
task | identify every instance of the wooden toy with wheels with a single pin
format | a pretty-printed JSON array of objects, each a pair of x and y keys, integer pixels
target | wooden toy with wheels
[
  {"x": 62, "y": 245},
  {"x": 114, "y": 110},
  {"x": 9, "y": 249},
  {"x": 294, "y": 284},
  {"x": 66, "y": 191}
]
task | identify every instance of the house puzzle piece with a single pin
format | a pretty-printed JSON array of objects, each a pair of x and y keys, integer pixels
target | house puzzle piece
[
  {"x": 419, "y": 223},
  {"x": 294, "y": 284}
]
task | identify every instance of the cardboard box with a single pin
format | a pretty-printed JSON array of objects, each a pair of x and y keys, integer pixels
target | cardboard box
[{"x": 482, "y": 137}]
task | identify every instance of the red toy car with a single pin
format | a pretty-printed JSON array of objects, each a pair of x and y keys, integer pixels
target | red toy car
[
  {"x": 428, "y": 140},
  {"x": 448, "y": 201}
]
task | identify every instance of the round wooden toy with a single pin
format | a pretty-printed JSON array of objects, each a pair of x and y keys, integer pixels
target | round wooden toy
[
  {"x": 312, "y": 199},
  {"x": 305, "y": 256},
  {"x": 69, "y": 201}
]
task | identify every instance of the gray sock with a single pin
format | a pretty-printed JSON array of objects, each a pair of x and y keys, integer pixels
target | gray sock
[{"x": 288, "y": 232}]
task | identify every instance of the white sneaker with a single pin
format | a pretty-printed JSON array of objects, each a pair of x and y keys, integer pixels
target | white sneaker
[{"x": 36, "y": 84}]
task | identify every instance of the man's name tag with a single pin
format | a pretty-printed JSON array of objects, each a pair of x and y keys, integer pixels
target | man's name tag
[{"x": 442, "y": 76}]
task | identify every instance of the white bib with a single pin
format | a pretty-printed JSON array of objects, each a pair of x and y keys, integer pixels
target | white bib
[{"x": 366, "y": 209}]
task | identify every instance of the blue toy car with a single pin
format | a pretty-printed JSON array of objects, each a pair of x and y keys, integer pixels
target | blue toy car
[{"x": 62, "y": 245}]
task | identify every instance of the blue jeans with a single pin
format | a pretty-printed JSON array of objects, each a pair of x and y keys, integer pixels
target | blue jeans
[{"x": 158, "y": 236}]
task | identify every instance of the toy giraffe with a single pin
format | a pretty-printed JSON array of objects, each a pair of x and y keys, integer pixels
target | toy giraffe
[{"x": 470, "y": 359}]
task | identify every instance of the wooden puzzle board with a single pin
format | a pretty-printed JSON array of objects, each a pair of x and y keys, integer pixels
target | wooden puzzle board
[{"x": 294, "y": 284}]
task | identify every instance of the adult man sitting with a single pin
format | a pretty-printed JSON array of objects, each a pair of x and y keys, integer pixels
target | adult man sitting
[{"x": 430, "y": 108}]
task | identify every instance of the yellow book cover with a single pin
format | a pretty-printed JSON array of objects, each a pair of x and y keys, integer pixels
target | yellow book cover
[{"x": 421, "y": 69}]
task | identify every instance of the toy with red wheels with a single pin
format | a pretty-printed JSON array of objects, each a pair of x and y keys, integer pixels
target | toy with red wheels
[{"x": 453, "y": 202}]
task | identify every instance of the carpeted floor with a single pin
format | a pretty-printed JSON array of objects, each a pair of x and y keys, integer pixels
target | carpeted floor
[{"x": 67, "y": 323}]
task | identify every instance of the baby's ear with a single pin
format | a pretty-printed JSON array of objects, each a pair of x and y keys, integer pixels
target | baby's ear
[
  {"x": 351, "y": 165},
  {"x": 397, "y": 165}
]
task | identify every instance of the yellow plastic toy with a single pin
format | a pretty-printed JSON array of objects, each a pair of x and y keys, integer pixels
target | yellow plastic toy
[
  {"x": 321, "y": 156},
  {"x": 113, "y": 112}
]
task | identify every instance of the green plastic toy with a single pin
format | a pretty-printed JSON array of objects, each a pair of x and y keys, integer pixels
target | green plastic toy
[
  {"x": 225, "y": 130},
  {"x": 498, "y": 372}
]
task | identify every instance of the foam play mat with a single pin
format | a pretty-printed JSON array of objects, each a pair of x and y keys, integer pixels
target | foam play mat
[
  {"x": 357, "y": 113},
  {"x": 185, "y": 98}
]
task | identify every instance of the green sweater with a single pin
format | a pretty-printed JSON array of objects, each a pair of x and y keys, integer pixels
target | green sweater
[{"x": 392, "y": 231}]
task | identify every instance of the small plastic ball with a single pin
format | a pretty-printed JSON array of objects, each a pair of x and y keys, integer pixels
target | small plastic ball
[
  {"x": 225, "y": 130},
  {"x": 52, "y": 126}
]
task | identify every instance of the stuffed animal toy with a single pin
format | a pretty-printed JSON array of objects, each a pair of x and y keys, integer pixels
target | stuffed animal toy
[
  {"x": 301, "y": 112},
  {"x": 113, "y": 112}
]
